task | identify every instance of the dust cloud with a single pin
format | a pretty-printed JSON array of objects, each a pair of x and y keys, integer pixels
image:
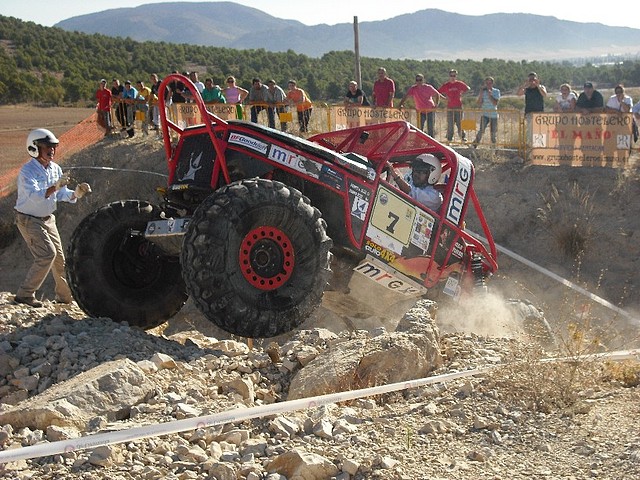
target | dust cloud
[{"x": 486, "y": 315}]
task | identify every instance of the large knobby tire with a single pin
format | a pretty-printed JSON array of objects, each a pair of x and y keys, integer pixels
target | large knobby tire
[
  {"x": 114, "y": 272},
  {"x": 255, "y": 258},
  {"x": 533, "y": 321}
]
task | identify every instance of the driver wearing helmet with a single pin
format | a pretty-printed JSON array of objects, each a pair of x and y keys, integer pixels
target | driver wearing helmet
[
  {"x": 426, "y": 170},
  {"x": 41, "y": 184}
]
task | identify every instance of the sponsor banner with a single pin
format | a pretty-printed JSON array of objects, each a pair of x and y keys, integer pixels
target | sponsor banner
[
  {"x": 601, "y": 139},
  {"x": 249, "y": 142},
  {"x": 293, "y": 160},
  {"x": 187, "y": 114},
  {"x": 349, "y": 117},
  {"x": 226, "y": 111}
]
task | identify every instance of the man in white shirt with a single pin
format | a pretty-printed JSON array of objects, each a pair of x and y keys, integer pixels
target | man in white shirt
[
  {"x": 41, "y": 184},
  {"x": 426, "y": 170}
]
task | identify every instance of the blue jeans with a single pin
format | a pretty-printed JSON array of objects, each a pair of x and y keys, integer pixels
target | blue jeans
[
  {"x": 271, "y": 119},
  {"x": 484, "y": 121}
]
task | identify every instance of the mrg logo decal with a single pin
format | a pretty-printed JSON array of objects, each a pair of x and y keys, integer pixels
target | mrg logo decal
[
  {"x": 295, "y": 161},
  {"x": 459, "y": 193},
  {"x": 386, "y": 279}
]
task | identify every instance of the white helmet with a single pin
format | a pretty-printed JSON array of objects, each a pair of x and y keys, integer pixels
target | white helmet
[
  {"x": 428, "y": 163},
  {"x": 40, "y": 136}
]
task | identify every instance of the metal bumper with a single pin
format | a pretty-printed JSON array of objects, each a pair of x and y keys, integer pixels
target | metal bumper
[{"x": 167, "y": 234}]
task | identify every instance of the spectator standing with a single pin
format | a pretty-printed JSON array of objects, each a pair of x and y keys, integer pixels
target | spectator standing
[
  {"x": 257, "y": 98},
  {"x": 590, "y": 100},
  {"x": 355, "y": 96},
  {"x": 384, "y": 90},
  {"x": 488, "y": 100},
  {"x": 235, "y": 94},
  {"x": 193, "y": 76},
  {"x": 177, "y": 91},
  {"x": 142, "y": 105},
  {"x": 304, "y": 107},
  {"x": 534, "y": 93},
  {"x": 154, "y": 110},
  {"x": 276, "y": 99},
  {"x": 103, "y": 95},
  {"x": 636, "y": 120},
  {"x": 130, "y": 97},
  {"x": 453, "y": 89},
  {"x": 566, "y": 99},
  {"x": 619, "y": 101},
  {"x": 426, "y": 98},
  {"x": 116, "y": 97},
  {"x": 41, "y": 185},
  {"x": 212, "y": 93}
]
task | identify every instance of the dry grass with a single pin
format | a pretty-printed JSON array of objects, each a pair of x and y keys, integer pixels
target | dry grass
[
  {"x": 568, "y": 216},
  {"x": 546, "y": 382},
  {"x": 626, "y": 372}
]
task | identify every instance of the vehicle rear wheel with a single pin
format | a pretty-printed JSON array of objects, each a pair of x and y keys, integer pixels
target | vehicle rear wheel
[
  {"x": 533, "y": 321},
  {"x": 255, "y": 258},
  {"x": 113, "y": 271}
]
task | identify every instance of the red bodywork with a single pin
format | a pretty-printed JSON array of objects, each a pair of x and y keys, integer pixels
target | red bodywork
[{"x": 397, "y": 242}]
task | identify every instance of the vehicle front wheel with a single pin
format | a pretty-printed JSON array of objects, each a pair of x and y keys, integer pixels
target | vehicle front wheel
[{"x": 255, "y": 258}]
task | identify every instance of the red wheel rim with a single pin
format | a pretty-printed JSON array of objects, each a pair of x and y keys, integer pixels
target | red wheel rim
[{"x": 266, "y": 258}]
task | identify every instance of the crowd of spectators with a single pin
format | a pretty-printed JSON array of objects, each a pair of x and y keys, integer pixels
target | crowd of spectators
[{"x": 120, "y": 106}]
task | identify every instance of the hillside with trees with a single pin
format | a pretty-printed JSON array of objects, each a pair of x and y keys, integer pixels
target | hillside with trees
[{"x": 52, "y": 66}]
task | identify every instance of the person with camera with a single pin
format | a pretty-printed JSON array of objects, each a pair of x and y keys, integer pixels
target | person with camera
[
  {"x": 488, "y": 100},
  {"x": 534, "y": 93}
]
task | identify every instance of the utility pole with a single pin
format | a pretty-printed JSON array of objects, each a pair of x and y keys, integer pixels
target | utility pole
[{"x": 356, "y": 36}]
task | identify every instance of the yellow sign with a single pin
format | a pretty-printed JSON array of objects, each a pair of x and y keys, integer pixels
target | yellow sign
[
  {"x": 600, "y": 139},
  {"x": 393, "y": 216}
]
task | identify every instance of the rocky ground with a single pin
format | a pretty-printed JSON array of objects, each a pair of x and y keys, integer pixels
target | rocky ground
[
  {"x": 66, "y": 375},
  {"x": 63, "y": 375}
]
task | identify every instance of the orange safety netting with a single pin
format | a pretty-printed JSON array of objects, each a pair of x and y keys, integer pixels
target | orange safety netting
[{"x": 77, "y": 138}]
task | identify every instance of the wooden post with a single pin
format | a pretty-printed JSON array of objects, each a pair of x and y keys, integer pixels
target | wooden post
[{"x": 356, "y": 36}]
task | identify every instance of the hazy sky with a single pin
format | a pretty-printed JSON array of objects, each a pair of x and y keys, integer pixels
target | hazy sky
[{"x": 620, "y": 14}]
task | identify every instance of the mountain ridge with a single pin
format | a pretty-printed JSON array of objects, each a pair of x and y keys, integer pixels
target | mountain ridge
[{"x": 511, "y": 36}]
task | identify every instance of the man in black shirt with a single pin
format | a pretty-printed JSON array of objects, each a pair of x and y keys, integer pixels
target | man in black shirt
[
  {"x": 590, "y": 100},
  {"x": 534, "y": 93}
]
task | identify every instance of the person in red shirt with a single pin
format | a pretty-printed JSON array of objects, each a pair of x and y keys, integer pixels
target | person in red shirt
[
  {"x": 103, "y": 95},
  {"x": 426, "y": 99},
  {"x": 384, "y": 90},
  {"x": 453, "y": 89}
]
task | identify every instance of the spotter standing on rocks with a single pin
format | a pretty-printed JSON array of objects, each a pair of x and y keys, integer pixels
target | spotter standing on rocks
[{"x": 41, "y": 185}]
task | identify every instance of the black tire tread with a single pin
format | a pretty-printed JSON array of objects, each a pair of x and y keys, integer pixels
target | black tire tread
[{"x": 210, "y": 258}]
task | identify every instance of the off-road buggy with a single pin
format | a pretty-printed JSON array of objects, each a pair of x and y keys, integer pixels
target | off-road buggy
[{"x": 255, "y": 224}]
